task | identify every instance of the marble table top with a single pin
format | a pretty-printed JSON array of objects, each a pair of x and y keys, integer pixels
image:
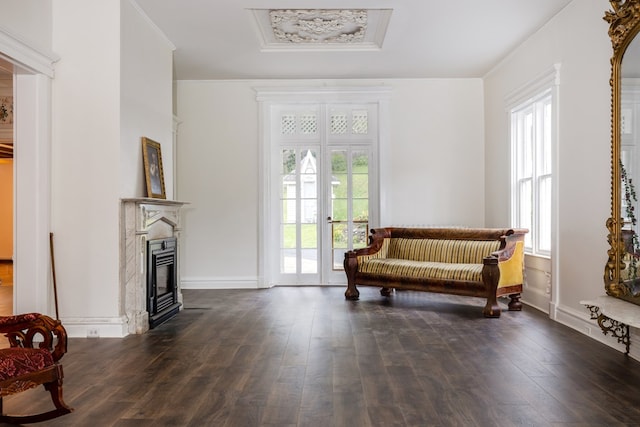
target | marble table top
[{"x": 616, "y": 309}]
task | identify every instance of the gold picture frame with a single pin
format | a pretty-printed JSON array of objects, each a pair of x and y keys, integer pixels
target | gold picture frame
[{"x": 153, "y": 172}]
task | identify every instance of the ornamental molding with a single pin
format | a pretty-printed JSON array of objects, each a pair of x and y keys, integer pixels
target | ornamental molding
[
  {"x": 319, "y": 26},
  {"x": 622, "y": 20},
  {"x": 321, "y": 29},
  {"x": 20, "y": 53}
]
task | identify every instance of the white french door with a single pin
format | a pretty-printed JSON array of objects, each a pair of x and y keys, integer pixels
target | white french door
[{"x": 323, "y": 195}]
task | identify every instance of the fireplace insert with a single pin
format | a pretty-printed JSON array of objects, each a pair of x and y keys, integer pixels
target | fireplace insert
[{"x": 162, "y": 280}]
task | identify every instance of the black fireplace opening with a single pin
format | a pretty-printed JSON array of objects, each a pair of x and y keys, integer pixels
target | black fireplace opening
[{"x": 162, "y": 280}]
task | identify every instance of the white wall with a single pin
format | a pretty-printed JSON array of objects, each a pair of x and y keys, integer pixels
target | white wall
[
  {"x": 146, "y": 99},
  {"x": 436, "y": 164},
  {"x": 434, "y": 161},
  {"x": 112, "y": 86},
  {"x": 217, "y": 160},
  {"x": 30, "y": 20},
  {"x": 85, "y": 158},
  {"x": 577, "y": 39}
]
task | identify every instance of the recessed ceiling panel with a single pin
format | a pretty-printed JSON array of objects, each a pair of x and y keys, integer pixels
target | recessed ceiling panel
[
  {"x": 217, "y": 39},
  {"x": 321, "y": 29}
]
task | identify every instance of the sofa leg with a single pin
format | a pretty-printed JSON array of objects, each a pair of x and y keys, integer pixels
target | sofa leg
[
  {"x": 352, "y": 293},
  {"x": 515, "y": 304},
  {"x": 492, "y": 309},
  {"x": 490, "y": 277},
  {"x": 385, "y": 292},
  {"x": 350, "y": 267}
]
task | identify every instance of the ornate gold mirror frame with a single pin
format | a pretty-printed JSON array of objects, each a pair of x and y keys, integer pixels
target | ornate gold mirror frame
[{"x": 622, "y": 275}]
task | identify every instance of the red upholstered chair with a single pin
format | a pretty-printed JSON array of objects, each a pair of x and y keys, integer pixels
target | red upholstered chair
[{"x": 37, "y": 343}]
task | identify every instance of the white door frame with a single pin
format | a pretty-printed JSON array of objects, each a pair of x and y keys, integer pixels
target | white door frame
[
  {"x": 33, "y": 73},
  {"x": 267, "y": 97}
]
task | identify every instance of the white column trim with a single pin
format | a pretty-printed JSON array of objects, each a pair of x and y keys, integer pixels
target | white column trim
[
  {"x": 32, "y": 201},
  {"x": 174, "y": 154}
]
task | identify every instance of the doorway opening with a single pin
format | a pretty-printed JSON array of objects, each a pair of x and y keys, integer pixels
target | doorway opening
[
  {"x": 30, "y": 72},
  {"x": 320, "y": 189},
  {"x": 6, "y": 192},
  {"x": 323, "y": 188}
]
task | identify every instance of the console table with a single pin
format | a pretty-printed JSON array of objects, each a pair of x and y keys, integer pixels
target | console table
[{"x": 614, "y": 316}]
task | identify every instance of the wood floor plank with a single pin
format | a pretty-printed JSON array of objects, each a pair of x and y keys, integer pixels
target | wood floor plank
[{"x": 296, "y": 356}]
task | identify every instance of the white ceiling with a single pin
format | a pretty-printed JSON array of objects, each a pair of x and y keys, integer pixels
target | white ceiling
[{"x": 218, "y": 39}]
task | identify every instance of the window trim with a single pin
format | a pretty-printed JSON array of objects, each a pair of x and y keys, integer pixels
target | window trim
[{"x": 547, "y": 84}]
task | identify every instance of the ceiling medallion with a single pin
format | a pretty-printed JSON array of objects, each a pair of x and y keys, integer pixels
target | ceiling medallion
[
  {"x": 306, "y": 30},
  {"x": 319, "y": 26}
]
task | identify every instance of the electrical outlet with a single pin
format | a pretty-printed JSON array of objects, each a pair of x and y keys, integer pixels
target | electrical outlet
[{"x": 93, "y": 333}]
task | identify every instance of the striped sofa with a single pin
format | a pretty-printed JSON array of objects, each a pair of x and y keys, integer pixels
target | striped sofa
[{"x": 485, "y": 262}]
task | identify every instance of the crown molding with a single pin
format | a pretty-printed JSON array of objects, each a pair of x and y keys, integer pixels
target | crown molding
[
  {"x": 323, "y": 94},
  {"x": 20, "y": 53}
]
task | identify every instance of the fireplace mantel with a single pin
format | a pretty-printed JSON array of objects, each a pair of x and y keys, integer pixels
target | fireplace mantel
[{"x": 143, "y": 219}]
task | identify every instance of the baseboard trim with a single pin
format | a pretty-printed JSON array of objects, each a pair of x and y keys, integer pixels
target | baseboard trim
[
  {"x": 582, "y": 322},
  {"x": 219, "y": 283},
  {"x": 536, "y": 298},
  {"x": 96, "y": 327}
]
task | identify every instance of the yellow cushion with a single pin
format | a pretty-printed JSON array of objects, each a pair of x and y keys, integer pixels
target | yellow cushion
[{"x": 511, "y": 269}]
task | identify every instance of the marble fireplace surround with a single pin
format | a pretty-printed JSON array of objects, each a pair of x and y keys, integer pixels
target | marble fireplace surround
[{"x": 143, "y": 219}]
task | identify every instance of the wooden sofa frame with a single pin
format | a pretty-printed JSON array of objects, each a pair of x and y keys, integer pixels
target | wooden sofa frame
[{"x": 488, "y": 288}]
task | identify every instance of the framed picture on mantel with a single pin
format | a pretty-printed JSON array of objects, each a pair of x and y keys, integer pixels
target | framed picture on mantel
[{"x": 153, "y": 173}]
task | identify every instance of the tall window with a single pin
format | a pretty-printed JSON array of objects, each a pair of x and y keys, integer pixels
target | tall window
[{"x": 531, "y": 144}]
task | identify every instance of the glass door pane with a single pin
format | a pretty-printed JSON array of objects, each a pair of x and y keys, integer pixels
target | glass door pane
[
  {"x": 320, "y": 174},
  {"x": 349, "y": 209},
  {"x": 339, "y": 214},
  {"x": 299, "y": 212},
  {"x": 360, "y": 198}
]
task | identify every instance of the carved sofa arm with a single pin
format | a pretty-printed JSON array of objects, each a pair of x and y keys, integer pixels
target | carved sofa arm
[
  {"x": 511, "y": 258},
  {"x": 377, "y": 244}
]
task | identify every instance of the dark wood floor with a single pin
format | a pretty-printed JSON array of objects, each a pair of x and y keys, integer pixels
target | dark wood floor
[{"x": 306, "y": 357}]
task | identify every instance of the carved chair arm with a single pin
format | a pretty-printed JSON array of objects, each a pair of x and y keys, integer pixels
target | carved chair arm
[
  {"x": 35, "y": 330},
  {"x": 9, "y": 321}
]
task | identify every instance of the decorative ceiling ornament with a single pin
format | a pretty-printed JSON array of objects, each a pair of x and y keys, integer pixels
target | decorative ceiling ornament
[
  {"x": 321, "y": 29},
  {"x": 319, "y": 26}
]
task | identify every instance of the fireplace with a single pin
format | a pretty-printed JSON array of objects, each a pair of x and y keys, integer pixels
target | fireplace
[
  {"x": 162, "y": 280},
  {"x": 145, "y": 221}
]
